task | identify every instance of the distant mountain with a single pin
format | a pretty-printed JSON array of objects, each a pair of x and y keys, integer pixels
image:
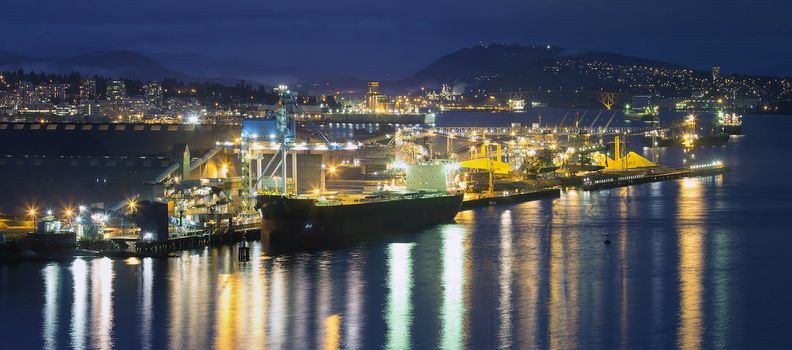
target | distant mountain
[
  {"x": 120, "y": 64},
  {"x": 514, "y": 66},
  {"x": 125, "y": 64},
  {"x": 12, "y": 57},
  {"x": 227, "y": 71},
  {"x": 491, "y": 66},
  {"x": 150, "y": 66}
]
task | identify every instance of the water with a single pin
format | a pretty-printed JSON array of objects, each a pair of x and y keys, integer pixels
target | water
[{"x": 694, "y": 263}]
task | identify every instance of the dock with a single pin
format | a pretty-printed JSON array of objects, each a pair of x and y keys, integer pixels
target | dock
[
  {"x": 484, "y": 200},
  {"x": 192, "y": 241},
  {"x": 593, "y": 184}
]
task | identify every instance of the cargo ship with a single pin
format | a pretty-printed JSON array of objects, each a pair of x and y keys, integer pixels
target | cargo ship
[{"x": 426, "y": 200}]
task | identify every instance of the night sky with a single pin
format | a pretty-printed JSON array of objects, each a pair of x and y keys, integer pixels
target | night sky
[{"x": 378, "y": 39}]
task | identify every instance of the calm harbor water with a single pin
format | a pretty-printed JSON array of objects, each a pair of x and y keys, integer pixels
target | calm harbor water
[{"x": 695, "y": 263}]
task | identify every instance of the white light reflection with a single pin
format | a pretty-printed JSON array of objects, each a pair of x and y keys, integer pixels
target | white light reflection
[
  {"x": 259, "y": 292},
  {"x": 102, "y": 303},
  {"x": 302, "y": 301},
  {"x": 355, "y": 299},
  {"x": 196, "y": 300},
  {"x": 530, "y": 278},
  {"x": 51, "y": 275},
  {"x": 398, "y": 312},
  {"x": 721, "y": 260},
  {"x": 323, "y": 307},
  {"x": 146, "y": 303},
  {"x": 79, "y": 270},
  {"x": 278, "y": 305},
  {"x": 453, "y": 270},
  {"x": 505, "y": 281},
  {"x": 176, "y": 282}
]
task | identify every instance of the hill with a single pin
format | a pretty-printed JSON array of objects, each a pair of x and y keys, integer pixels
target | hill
[
  {"x": 116, "y": 64},
  {"x": 499, "y": 66}
]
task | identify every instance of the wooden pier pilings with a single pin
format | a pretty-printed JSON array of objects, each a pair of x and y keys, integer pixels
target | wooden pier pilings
[{"x": 148, "y": 248}]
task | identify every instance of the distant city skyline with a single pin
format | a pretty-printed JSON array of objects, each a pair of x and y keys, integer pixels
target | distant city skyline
[{"x": 356, "y": 39}]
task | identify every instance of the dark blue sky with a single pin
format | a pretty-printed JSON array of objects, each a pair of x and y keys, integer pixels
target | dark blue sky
[{"x": 371, "y": 39}]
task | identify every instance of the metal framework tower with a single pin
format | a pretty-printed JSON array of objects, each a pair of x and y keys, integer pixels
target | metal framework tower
[
  {"x": 287, "y": 130},
  {"x": 286, "y": 127}
]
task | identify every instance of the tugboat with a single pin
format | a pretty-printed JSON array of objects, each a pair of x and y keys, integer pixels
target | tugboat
[
  {"x": 731, "y": 123},
  {"x": 646, "y": 114},
  {"x": 642, "y": 108}
]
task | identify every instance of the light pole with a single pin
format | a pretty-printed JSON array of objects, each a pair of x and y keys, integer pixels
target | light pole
[
  {"x": 130, "y": 209},
  {"x": 32, "y": 212},
  {"x": 68, "y": 214}
]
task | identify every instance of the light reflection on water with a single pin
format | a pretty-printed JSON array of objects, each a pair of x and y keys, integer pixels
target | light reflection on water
[
  {"x": 52, "y": 283},
  {"x": 453, "y": 278},
  {"x": 564, "y": 272},
  {"x": 324, "y": 309},
  {"x": 696, "y": 263},
  {"x": 529, "y": 283},
  {"x": 146, "y": 304},
  {"x": 691, "y": 208},
  {"x": 505, "y": 281},
  {"x": 624, "y": 212},
  {"x": 541, "y": 277},
  {"x": 102, "y": 303},
  {"x": 355, "y": 299},
  {"x": 79, "y": 270},
  {"x": 398, "y": 311},
  {"x": 277, "y": 308}
]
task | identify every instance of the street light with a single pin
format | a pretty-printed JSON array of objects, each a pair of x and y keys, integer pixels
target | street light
[
  {"x": 132, "y": 205},
  {"x": 32, "y": 212},
  {"x": 68, "y": 213}
]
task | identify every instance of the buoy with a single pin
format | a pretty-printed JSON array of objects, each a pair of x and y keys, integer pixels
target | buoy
[{"x": 607, "y": 239}]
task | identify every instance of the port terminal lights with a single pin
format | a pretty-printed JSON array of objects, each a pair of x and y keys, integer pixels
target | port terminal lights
[
  {"x": 286, "y": 127},
  {"x": 688, "y": 140}
]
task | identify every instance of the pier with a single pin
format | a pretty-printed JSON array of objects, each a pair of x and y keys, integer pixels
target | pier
[
  {"x": 474, "y": 201},
  {"x": 149, "y": 248},
  {"x": 598, "y": 183}
]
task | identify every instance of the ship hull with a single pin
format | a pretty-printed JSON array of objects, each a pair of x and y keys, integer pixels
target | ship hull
[
  {"x": 732, "y": 129},
  {"x": 702, "y": 141},
  {"x": 641, "y": 117},
  {"x": 286, "y": 219}
]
